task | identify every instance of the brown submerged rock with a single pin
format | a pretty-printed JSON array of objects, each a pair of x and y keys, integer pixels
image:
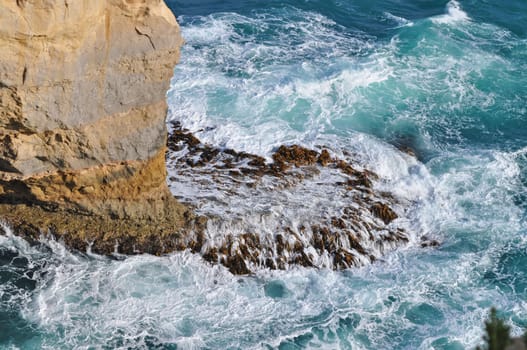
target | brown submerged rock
[
  {"x": 345, "y": 240},
  {"x": 82, "y": 123},
  {"x": 294, "y": 155},
  {"x": 383, "y": 212},
  {"x": 324, "y": 158},
  {"x": 427, "y": 242},
  {"x": 246, "y": 164}
]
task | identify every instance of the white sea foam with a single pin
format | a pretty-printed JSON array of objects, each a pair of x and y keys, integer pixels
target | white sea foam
[
  {"x": 268, "y": 96},
  {"x": 454, "y": 14},
  {"x": 402, "y": 22},
  {"x": 285, "y": 101},
  {"x": 442, "y": 200},
  {"x": 179, "y": 299}
]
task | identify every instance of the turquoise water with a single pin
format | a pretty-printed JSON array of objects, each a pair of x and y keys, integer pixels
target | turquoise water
[{"x": 447, "y": 79}]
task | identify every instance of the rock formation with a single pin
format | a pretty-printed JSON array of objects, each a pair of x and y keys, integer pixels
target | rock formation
[
  {"x": 82, "y": 122},
  {"x": 83, "y": 141},
  {"x": 357, "y": 230}
]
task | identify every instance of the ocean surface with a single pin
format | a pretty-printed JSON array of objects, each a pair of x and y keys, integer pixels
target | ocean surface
[{"x": 447, "y": 79}]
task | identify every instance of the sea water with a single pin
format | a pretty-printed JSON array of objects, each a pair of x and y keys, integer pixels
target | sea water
[{"x": 447, "y": 79}]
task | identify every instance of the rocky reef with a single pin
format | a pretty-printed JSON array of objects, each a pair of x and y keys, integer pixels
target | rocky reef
[
  {"x": 83, "y": 152},
  {"x": 356, "y": 224},
  {"x": 82, "y": 122}
]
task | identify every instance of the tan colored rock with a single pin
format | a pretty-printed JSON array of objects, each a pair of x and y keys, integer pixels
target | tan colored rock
[{"x": 82, "y": 117}]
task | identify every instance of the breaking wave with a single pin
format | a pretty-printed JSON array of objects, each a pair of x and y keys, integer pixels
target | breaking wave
[{"x": 441, "y": 84}]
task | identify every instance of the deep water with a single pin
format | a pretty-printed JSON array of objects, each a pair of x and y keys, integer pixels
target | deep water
[{"x": 366, "y": 78}]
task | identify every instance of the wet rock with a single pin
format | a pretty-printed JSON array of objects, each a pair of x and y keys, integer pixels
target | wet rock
[
  {"x": 324, "y": 158},
  {"x": 383, "y": 212},
  {"x": 432, "y": 243},
  {"x": 355, "y": 244},
  {"x": 303, "y": 260},
  {"x": 427, "y": 242},
  {"x": 280, "y": 244},
  {"x": 347, "y": 239},
  {"x": 181, "y": 136},
  {"x": 236, "y": 265},
  {"x": 344, "y": 259},
  {"x": 270, "y": 264},
  {"x": 295, "y": 155},
  {"x": 407, "y": 150},
  {"x": 211, "y": 255}
]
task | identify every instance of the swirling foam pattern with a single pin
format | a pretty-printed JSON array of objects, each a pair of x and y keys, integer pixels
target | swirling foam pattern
[{"x": 447, "y": 79}]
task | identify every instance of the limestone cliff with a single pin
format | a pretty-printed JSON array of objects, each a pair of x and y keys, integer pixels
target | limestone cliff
[
  {"x": 82, "y": 122},
  {"x": 83, "y": 142}
]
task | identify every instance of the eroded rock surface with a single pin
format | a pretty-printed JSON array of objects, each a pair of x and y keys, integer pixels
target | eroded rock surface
[
  {"x": 83, "y": 143},
  {"x": 82, "y": 122},
  {"x": 266, "y": 220}
]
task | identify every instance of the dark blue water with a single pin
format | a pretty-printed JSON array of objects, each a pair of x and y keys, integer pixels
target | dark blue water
[{"x": 447, "y": 79}]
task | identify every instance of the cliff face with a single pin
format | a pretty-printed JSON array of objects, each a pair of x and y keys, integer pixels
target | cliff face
[
  {"x": 82, "y": 121},
  {"x": 83, "y": 142}
]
